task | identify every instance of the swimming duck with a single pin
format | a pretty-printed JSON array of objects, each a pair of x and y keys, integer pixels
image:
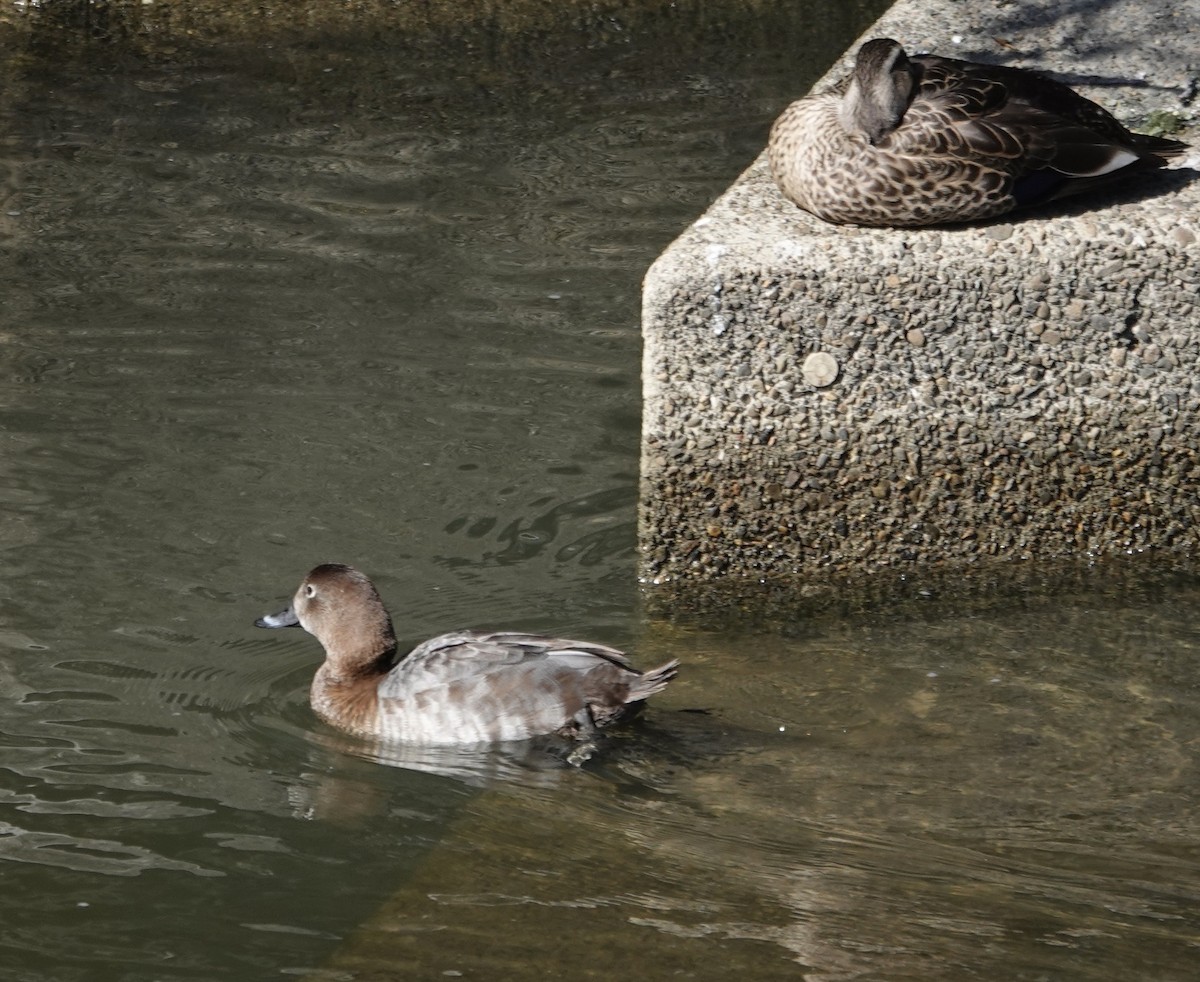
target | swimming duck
[
  {"x": 461, "y": 688},
  {"x": 926, "y": 140}
]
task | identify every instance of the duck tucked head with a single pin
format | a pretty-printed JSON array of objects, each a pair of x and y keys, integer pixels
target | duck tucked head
[
  {"x": 922, "y": 140},
  {"x": 880, "y": 90}
]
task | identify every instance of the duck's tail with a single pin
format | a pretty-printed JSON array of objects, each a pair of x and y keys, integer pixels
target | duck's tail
[
  {"x": 651, "y": 682},
  {"x": 1159, "y": 146}
]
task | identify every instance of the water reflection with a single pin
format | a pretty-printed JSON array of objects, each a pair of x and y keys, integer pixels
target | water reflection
[{"x": 535, "y": 763}]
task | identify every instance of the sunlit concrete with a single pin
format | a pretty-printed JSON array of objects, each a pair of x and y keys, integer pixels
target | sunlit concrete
[{"x": 830, "y": 409}]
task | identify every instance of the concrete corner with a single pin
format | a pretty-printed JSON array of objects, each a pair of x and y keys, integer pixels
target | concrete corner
[{"x": 842, "y": 408}]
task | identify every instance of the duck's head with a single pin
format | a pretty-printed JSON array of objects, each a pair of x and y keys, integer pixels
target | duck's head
[
  {"x": 341, "y": 608},
  {"x": 880, "y": 90}
]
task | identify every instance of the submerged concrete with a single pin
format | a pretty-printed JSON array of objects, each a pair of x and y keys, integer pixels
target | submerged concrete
[{"x": 833, "y": 408}]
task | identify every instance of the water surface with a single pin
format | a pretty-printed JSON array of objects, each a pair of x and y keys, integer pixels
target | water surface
[{"x": 260, "y": 312}]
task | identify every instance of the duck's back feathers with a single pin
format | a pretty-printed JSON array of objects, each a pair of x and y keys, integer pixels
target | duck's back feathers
[
  {"x": 1024, "y": 117},
  {"x": 1002, "y": 87},
  {"x": 472, "y": 687}
]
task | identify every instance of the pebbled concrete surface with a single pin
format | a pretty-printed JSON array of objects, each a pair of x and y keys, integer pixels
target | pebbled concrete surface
[{"x": 838, "y": 412}]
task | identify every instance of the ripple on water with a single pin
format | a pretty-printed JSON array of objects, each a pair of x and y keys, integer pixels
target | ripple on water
[{"x": 87, "y": 855}]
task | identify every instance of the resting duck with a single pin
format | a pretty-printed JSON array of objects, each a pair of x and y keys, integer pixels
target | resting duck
[
  {"x": 459, "y": 688},
  {"x": 928, "y": 140}
]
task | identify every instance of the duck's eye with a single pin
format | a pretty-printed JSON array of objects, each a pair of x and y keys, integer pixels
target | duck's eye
[{"x": 310, "y": 591}]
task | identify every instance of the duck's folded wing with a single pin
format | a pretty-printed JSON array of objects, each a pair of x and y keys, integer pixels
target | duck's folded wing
[
  {"x": 1024, "y": 143},
  {"x": 993, "y": 114},
  {"x": 466, "y": 688},
  {"x": 469, "y": 655}
]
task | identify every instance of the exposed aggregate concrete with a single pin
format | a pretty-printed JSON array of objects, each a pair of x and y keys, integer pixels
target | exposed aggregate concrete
[{"x": 841, "y": 407}]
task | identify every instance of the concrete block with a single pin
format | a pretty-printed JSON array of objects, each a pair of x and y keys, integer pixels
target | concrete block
[{"x": 841, "y": 409}]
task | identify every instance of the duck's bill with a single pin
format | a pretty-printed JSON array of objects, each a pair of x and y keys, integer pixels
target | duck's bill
[{"x": 285, "y": 618}]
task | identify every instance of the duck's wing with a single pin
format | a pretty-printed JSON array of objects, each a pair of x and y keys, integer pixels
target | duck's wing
[
  {"x": 471, "y": 656},
  {"x": 1018, "y": 122},
  {"x": 1025, "y": 87},
  {"x": 1017, "y": 89},
  {"x": 471, "y": 687}
]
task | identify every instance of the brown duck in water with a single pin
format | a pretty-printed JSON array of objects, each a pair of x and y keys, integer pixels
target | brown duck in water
[
  {"x": 463, "y": 688},
  {"x": 927, "y": 141}
]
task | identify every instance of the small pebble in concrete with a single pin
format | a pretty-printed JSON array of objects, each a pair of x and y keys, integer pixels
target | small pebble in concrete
[{"x": 820, "y": 369}]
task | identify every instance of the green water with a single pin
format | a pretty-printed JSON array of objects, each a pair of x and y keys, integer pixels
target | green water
[{"x": 266, "y": 307}]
